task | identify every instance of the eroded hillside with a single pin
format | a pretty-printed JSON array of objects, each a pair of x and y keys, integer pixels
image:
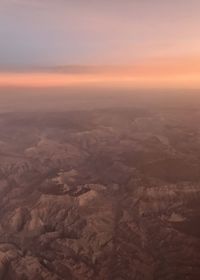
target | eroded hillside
[{"x": 104, "y": 194}]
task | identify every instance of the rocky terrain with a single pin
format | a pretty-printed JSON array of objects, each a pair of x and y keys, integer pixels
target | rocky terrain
[{"x": 109, "y": 194}]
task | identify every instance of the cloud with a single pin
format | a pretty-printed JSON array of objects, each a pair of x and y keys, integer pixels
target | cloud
[{"x": 175, "y": 72}]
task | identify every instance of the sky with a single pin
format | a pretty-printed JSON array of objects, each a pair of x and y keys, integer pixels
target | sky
[{"x": 158, "y": 40}]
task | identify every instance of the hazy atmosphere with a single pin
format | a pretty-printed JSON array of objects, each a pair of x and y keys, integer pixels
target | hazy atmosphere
[
  {"x": 99, "y": 140},
  {"x": 157, "y": 40}
]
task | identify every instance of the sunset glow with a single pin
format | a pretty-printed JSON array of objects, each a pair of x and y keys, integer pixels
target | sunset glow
[
  {"x": 157, "y": 41},
  {"x": 174, "y": 73}
]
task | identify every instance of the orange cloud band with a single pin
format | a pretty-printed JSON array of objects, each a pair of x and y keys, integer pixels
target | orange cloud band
[
  {"x": 181, "y": 73},
  {"x": 64, "y": 80}
]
